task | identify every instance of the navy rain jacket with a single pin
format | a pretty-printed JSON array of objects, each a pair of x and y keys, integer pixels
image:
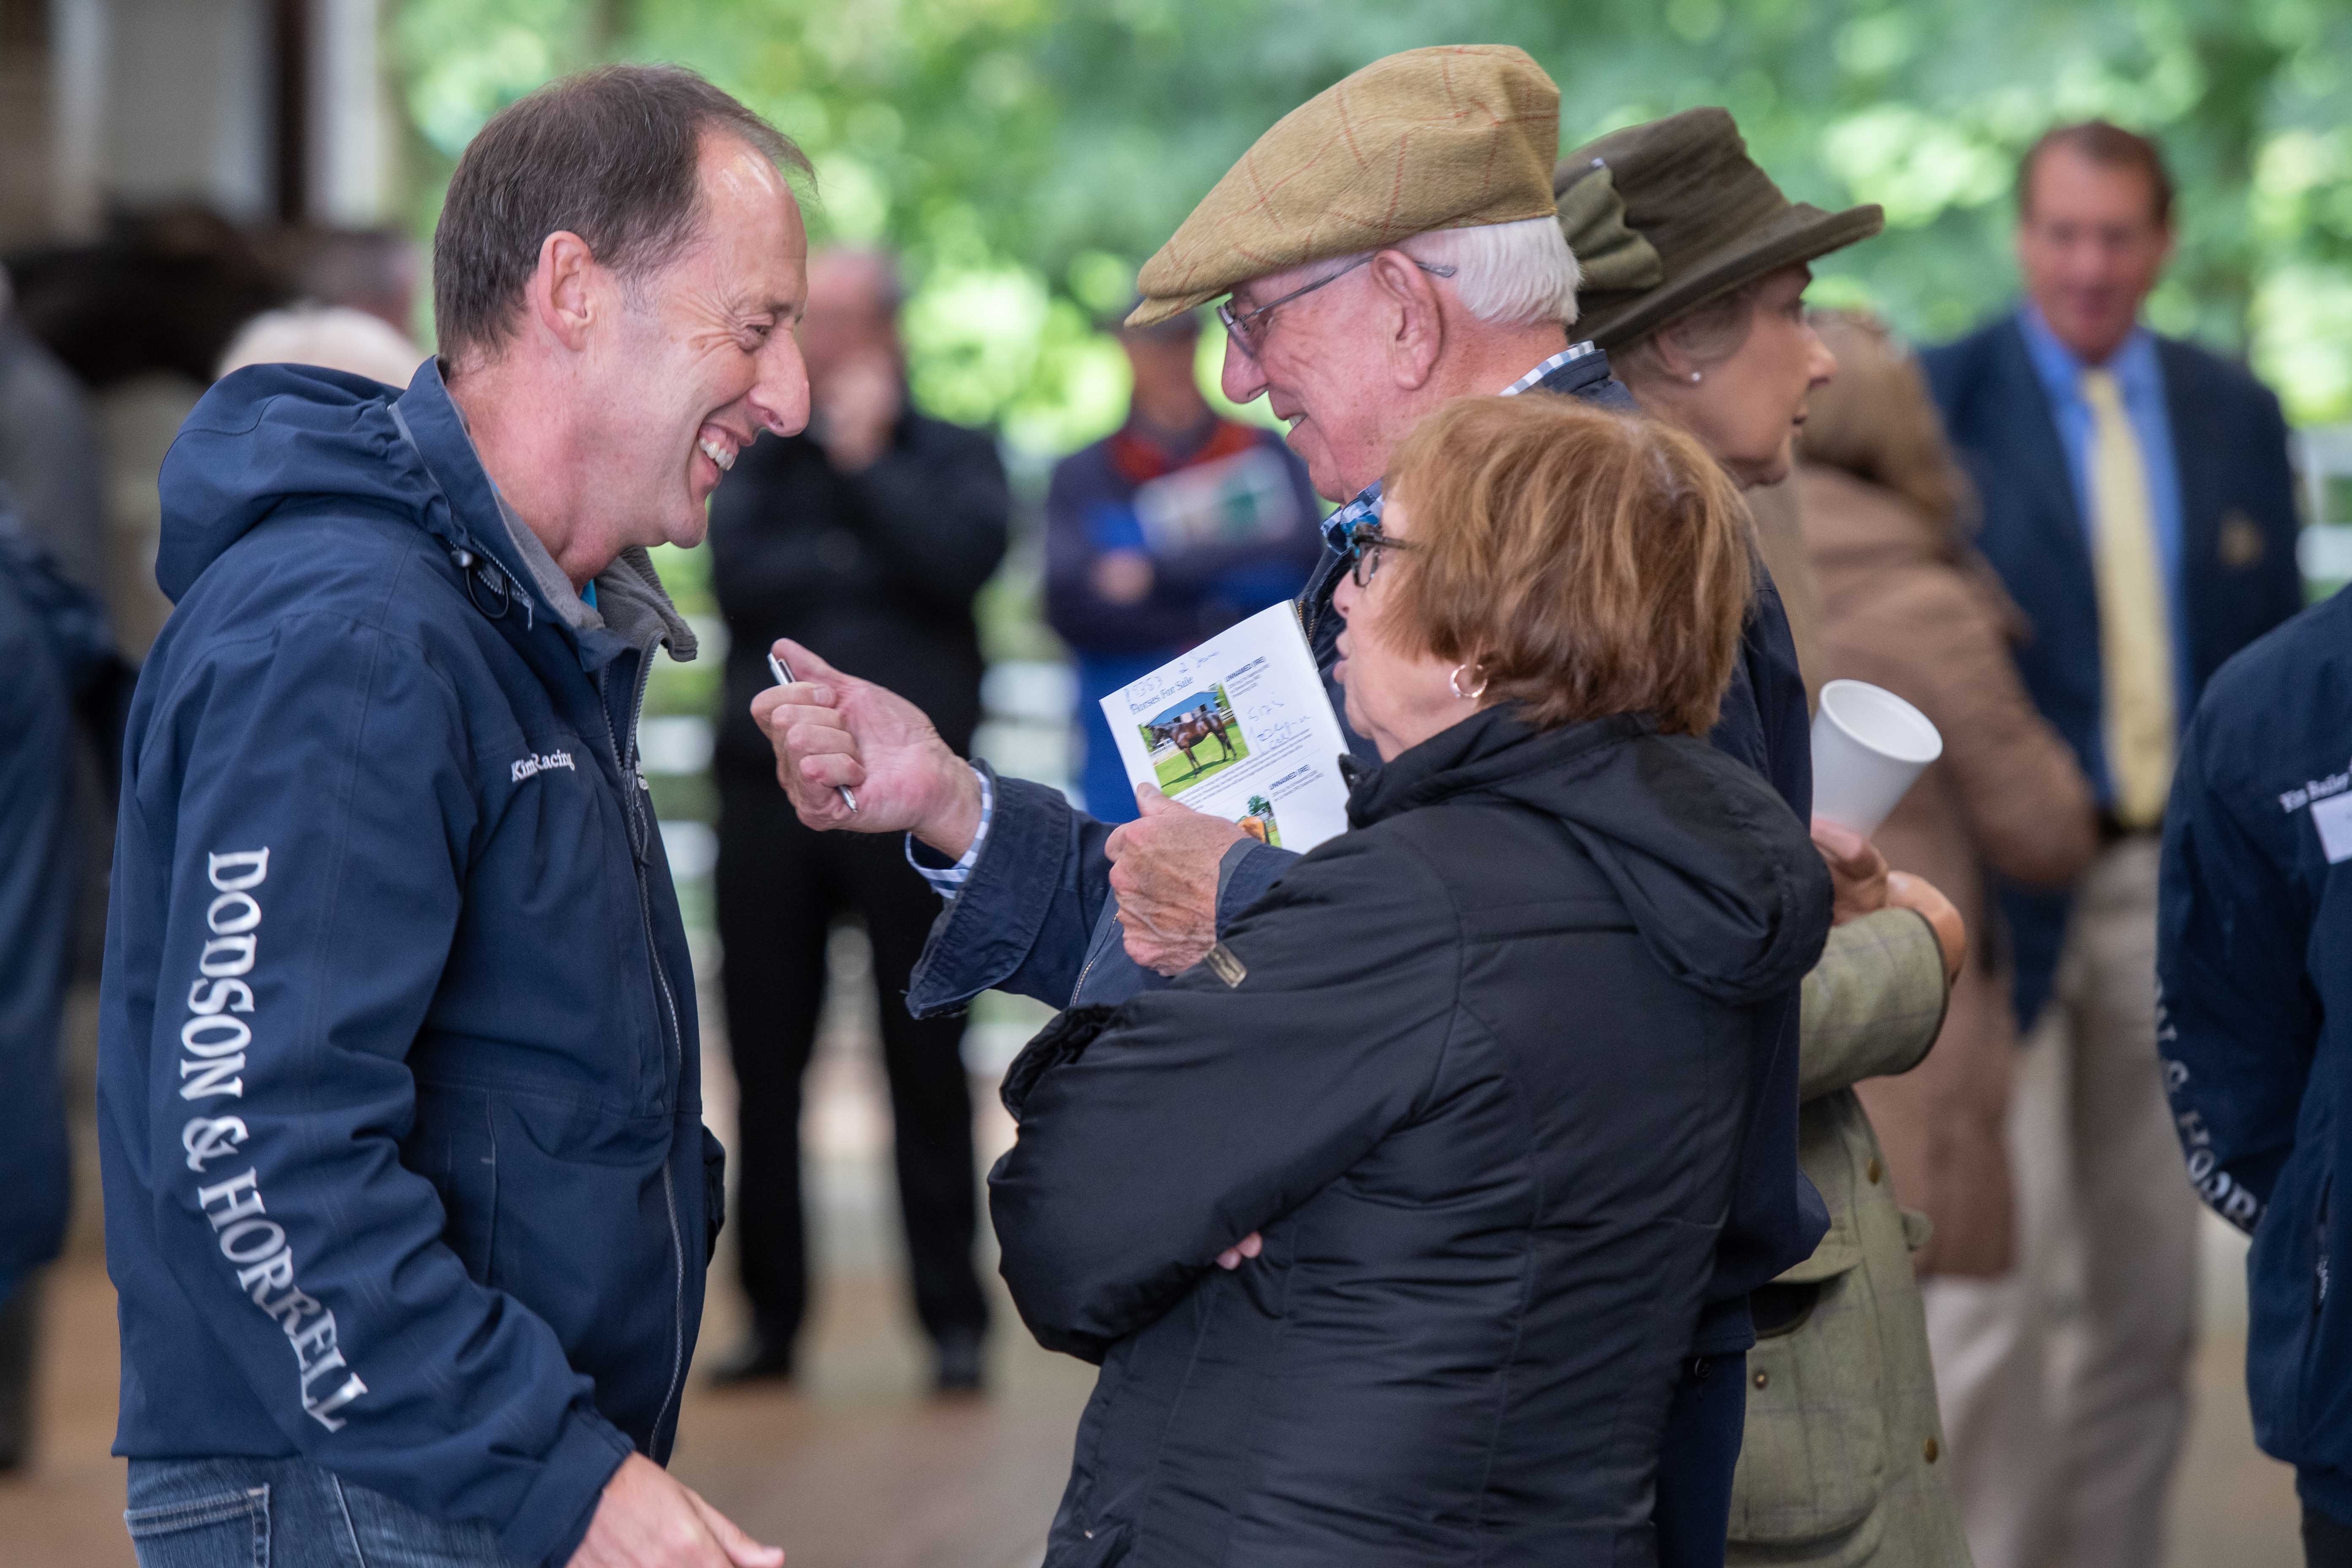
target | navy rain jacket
[
  {"x": 2255, "y": 927},
  {"x": 1480, "y": 1087},
  {"x": 400, "y": 1123}
]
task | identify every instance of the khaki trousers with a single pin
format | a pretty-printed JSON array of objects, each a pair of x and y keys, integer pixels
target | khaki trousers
[{"x": 2064, "y": 1386}]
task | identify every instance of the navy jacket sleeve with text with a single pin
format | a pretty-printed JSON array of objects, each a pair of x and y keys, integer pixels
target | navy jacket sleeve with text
[
  {"x": 305, "y": 794},
  {"x": 2241, "y": 1019}
]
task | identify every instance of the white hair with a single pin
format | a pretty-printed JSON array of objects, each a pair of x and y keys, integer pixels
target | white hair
[
  {"x": 334, "y": 336},
  {"x": 1506, "y": 274}
]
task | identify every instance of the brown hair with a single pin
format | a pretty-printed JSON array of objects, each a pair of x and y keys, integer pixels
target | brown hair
[
  {"x": 2102, "y": 142},
  {"x": 1877, "y": 422},
  {"x": 612, "y": 156},
  {"x": 1588, "y": 563}
]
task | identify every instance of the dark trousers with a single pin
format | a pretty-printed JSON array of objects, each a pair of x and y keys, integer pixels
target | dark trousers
[
  {"x": 20, "y": 1321},
  {"x": 2326, "y": 1540},
  {"x": 780, "y": 887},
  {"x": 1700, "y": 1450}
]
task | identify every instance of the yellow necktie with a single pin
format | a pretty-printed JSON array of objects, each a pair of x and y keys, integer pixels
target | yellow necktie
[{"x": 2135, "y": 627}]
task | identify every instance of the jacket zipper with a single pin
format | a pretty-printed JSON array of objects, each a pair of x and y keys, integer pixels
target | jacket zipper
[
  {"x": 634, "y": 789},
  {"x": 1088, "y": 968}
]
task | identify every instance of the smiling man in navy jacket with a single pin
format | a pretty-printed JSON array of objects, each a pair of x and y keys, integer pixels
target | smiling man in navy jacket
[
  {"x": 2138, "y": 505},
  {"x": 408, "y": 1197}
]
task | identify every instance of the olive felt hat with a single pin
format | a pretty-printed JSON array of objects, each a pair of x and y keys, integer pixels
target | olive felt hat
[
  {"x": 1454, "y": 136},
  {"x": 1665, "y": 217}
]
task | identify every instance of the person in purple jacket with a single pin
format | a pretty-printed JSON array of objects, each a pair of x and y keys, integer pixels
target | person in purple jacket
[{"x": 1166, "y": 532}]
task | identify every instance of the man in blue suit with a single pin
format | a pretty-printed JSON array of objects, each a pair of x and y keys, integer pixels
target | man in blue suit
[{"x": 2139, "y": 504}]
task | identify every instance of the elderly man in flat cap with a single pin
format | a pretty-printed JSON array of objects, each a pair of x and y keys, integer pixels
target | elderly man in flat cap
[{"x": 1388, "y": 246}]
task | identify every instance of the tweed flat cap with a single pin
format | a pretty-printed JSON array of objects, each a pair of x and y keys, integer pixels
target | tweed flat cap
[
  {"x": 1441, "y": 138},
  {"x": 1665, "y": 217}
]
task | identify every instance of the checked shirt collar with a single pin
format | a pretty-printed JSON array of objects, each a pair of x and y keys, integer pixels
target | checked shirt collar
[{"x": 1340, "y": 526}]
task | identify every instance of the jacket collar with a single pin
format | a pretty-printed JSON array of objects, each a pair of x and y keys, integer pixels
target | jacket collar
[
  {"x": 1574, "y": 369},
  {"x": 1491, "y": 745},
  {"x": 2060, "y": 369},
  {"x": 632, "y": 611}
]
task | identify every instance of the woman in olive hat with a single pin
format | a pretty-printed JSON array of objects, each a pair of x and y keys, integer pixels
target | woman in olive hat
[
  {"x": 1694, "y": 273},
  {"x": 1696, "y": 267}
]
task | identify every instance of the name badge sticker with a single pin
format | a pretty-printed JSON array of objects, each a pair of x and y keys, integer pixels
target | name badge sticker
[{"x": 2332, "y": 818}]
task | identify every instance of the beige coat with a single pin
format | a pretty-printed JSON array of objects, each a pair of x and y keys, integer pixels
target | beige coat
[
  {"x": 1908, "y": 606},
  {"x": 1841, "y": 1464}
]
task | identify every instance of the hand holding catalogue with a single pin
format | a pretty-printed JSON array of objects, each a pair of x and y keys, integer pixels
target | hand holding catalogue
[
  {"x": 1164, "y": 875},
  {"x": 1239, "y": 727}
]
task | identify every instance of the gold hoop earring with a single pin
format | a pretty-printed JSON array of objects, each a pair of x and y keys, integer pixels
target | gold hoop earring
[{"x": 1453, "y": 684}]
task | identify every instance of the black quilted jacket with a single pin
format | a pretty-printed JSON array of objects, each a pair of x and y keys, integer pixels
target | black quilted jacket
[{"x": 1480, "y": 1084}]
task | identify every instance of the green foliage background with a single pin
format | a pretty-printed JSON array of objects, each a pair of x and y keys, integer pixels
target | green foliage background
[{"x": 1026, "y": 154}]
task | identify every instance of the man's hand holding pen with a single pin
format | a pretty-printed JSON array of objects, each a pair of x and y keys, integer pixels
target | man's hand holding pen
[{"x": 834, "y": 732}]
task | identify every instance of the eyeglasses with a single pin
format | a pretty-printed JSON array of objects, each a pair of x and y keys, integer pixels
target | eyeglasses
[
  {"x": 1249, "y": 330},
  {"x": 1364, "y": 547}
]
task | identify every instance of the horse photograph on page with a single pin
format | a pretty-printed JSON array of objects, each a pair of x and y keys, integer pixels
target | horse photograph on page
[{"x": 1175, "y": 737}]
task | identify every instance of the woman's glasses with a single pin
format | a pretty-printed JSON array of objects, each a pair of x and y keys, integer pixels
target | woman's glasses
[{"x": 1364, "y": 547}]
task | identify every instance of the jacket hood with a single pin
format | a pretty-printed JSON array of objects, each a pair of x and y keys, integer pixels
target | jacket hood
[
  {"x": 1722, "y": 881},
  {"x": 267, "y": 435},
  {"x": 273, "y": 434}
]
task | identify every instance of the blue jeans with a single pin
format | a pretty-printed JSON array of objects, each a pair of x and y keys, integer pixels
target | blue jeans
[{"x": 287, "y": 1513}]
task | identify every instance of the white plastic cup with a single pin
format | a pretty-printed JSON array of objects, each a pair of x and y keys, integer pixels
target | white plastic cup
[{"x": 1868, "y": 746}]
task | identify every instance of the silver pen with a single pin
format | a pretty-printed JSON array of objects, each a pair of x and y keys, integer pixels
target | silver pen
[{"x": 783, "y": 674}]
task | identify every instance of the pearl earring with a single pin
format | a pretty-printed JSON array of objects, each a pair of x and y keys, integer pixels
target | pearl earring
[{"x": 1694, "y": 378}]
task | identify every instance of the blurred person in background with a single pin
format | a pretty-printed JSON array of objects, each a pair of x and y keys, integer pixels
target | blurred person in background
[
  {"x": 141, "y": 315},
  {"x": 53, "y": 473},
  {"x": 2256, "y": 1025},
  {"x": 2140, "y": 509},
  {"x": 355, "y": 309},
  {"x": 409, "y": 1198},
  {"x": 162, "y": 289},
  {"x": 1695, "y": 285},
  {"x": 865, "y": 539},
  {"x": 377, "y": 271},
  {"x": 52, "y": 633},
  {"x": 1165, "y": 532},
  {"x": 334, "y": 337},
  {"x": 50, "y": 456},
  {"x": 1909, "y": 605}
]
